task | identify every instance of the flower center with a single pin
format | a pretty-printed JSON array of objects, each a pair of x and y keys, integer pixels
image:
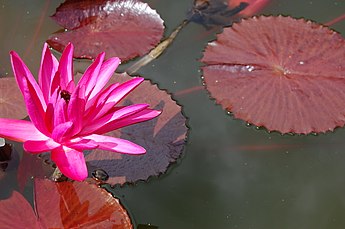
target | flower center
[{"x": 65, "y": 95}]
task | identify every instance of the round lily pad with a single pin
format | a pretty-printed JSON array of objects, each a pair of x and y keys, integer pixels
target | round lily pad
[
  {"x": 163, "y": 138},
  {"x": 64, "y": 205},
  {"x": 31, "y": 165},
  {"x": 122, "y": 28},
  {"x": 285, "y": 74}
]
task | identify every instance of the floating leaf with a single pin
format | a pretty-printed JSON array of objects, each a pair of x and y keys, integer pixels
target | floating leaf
[
  {"x": 64, "y": 205},
  {"x": 254, "y": 6},
  {"x": 282, "y": 73},
  {"x": 123, "y": 28},
  {"x": 162, "y": 137},
  {"x": 11, "y": 100},
  {"x": 32, "y": 165},
  {"x": 16, "y": 212},
  {"x": 214, "y": 12}
]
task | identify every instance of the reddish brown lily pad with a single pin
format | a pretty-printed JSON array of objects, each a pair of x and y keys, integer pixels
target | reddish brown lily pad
[
  {"x": 163, "y": 138},
  {"x": 122, "y": 28},
  {"x": 11, "y": 100},
  {"x": 285, "y": 74},
  {"x": 16, "y": 212},
  {"x": 32, "y": 165},
  {"x": 64, "y": 205}
]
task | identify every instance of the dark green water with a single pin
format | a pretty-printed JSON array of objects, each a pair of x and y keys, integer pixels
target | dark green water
[{"x": 231, "y": 175}]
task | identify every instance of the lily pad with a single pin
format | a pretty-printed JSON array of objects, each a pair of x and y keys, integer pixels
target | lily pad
[
  {"x": 31, "y": 165},
  {"x": 64, "y": 205},
  {"x": 163, "y": 138},
  {"x": 285, "y": 74},
  {"x": 11, "y": 100},
  {"x": 16, "y": 212},
  {"x": 122, "y": 28}
]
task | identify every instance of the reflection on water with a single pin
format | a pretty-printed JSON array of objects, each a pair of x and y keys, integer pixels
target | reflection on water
[{"x": 231, "y": 176}]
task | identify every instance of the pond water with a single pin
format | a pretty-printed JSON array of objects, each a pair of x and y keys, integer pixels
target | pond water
[{"x": 231, "y": 175}]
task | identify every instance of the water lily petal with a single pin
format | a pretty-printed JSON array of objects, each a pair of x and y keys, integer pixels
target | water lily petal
[
  {"x": 95, "y": 104},
  {"x": 60, "y": 111},
  {"x": 118, "y": 114},
  {"x": 76, "y": 109},
  {"x": 118, "y": 93},
  {"x": 32, "y": 93},
  {"x": 71, "y": 162},
  {"x": 49, "y": 115},
  {"x": 107, "y": 70},
  {"x": 40, "y": 146},
  {"x": 21, "y": 72},
  {"x": 81, "y": 144},
  {"x": 66, "y": 67},
  {"x": 141, "y": 116},
  {"x": 48, "y": 68},
  {"x": 90, "y": 76},
  {"x": 116, "y": 144},
  {"x": 61, "y": 130},
  {"x": 71, "y": 86},
  {"x": 19, "y": 130}
]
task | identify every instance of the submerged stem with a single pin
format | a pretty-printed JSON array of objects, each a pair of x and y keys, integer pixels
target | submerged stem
[
  {"x": 335, "y": 20},
  {"x": 157, "y": 51}
]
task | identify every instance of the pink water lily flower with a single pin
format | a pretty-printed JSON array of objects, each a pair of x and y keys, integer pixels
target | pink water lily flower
[{"x": 69, "y": 117}]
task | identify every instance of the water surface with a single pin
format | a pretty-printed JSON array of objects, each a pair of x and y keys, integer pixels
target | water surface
[{"x": 231, "y": 175}]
